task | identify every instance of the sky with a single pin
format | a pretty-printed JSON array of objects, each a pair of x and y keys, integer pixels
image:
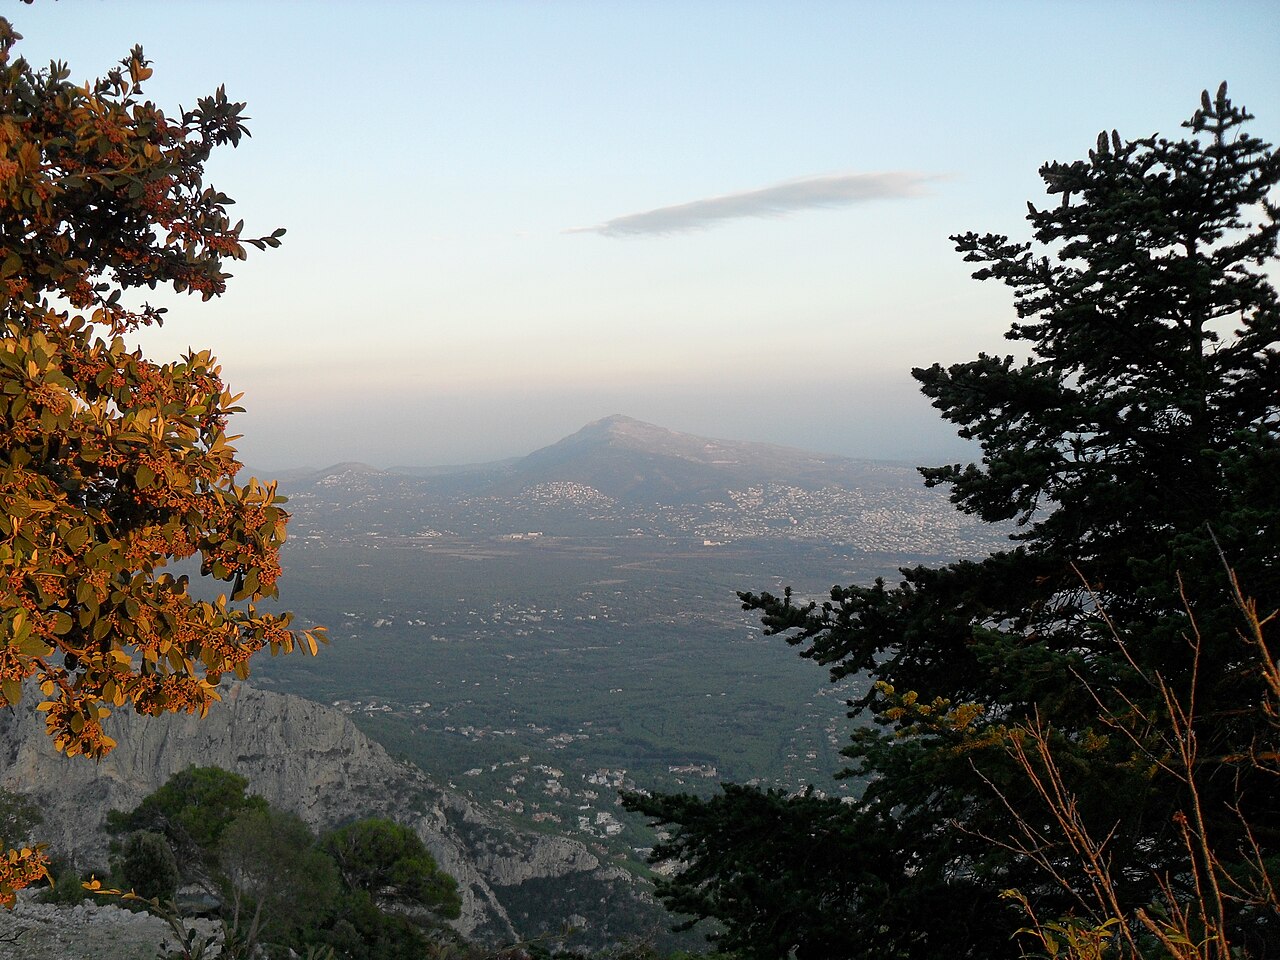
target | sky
[{"x": 508, "y": 219}]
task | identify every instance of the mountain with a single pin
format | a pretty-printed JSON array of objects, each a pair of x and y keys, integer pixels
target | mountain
[
  {"x": 628, "y": 460},
  {"x": 631, "y": 460},
  {"x": 310, "y": 759},
  {"x": 619, "y": 433},
  {"x": 622, "y": 477}
]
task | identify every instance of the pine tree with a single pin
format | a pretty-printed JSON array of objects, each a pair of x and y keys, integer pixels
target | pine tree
[{"x": 1136, "y": 450}]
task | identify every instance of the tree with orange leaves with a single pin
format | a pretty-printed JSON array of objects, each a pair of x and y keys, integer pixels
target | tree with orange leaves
[{"x": 113, "y": 466}]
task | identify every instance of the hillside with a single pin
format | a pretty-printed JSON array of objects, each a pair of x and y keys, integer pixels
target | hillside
[{"x": 310, "y": 759}]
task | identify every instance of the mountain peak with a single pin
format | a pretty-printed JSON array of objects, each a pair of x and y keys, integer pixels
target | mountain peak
[
  {"x": 616, "y": 423},
  {"x": 618, "y": 432},
  {"x": 620, "y": 427},
  {"x": 349, "y": 467},
  {"x": 625, "y": 457}
]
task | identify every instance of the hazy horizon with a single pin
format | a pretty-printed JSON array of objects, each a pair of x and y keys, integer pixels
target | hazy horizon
[
  {"x": 506, "y": 220},
  {"x": 959, "y": 450}
]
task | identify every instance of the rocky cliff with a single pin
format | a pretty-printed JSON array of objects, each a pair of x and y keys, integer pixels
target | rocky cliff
[{"x": 310, "y": 759}]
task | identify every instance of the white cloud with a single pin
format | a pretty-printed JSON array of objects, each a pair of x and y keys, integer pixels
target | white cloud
[{"x": 806, "y": 193}]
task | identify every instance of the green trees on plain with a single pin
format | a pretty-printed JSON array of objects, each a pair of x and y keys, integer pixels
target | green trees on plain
[{"x": 1135, "y": 445}]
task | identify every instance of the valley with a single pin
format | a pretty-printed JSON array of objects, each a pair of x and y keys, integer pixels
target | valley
[{"x": 542, "y": 633}]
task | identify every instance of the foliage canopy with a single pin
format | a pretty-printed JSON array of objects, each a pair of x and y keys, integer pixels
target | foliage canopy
[
  {"x": 193, "y": 809},
  {"x": 390, "y": 863},
  {"x": 112, "y": 465},
  {"x": 148, "y": 865},
  {"x": 1136, "y": 448},
  {"x": 369, "y": 890},
  {"x": 270, "y": 860}
]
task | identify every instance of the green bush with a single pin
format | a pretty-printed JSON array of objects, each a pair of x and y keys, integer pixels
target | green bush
[
  {"x": 148, "y": 866},
  {"x": 390, "y": 863}
]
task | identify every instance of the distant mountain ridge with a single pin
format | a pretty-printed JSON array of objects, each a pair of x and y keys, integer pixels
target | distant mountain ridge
[
  {"x": 629, "y": 459},
  {"x": 619, "y": 476},
  {"x": 627, "y": 433}
]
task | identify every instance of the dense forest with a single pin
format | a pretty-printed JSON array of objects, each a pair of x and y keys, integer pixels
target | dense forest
[{"x": 1070, "y": 747}]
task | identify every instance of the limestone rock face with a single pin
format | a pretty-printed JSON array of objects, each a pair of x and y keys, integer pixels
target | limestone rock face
[{"x": 310, "y": 759}]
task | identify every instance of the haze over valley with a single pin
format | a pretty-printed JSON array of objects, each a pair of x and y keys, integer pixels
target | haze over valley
[
  {"x": 719, "y": 671},
  {"x": 543, "y": 631}
]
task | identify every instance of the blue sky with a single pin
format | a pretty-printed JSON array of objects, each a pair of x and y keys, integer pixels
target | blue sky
[{"x": 508, "y": 219}]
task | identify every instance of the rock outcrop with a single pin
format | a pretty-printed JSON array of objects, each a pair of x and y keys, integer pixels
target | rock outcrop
[
  {"x": 310, "y": 759},
  {"x": 88, "y": 931}
]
